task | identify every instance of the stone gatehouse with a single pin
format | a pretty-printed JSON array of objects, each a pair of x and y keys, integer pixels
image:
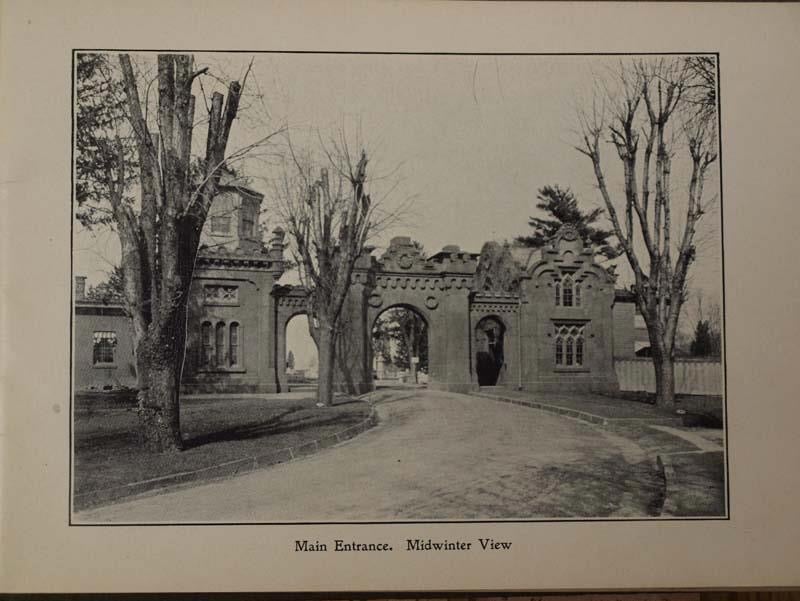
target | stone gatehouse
[{"x": 543, "y": 319}]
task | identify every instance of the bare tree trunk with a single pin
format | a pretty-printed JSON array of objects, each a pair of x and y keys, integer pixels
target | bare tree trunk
[
  {"x": 159, "y": 406},
  {"x": 412, "y": 350},
  {"x": 662, "y": 357},
  {"x": 665, "y": 380},
  {"x": 159, "y": 409},
  {"x": 326, "y": 346},
  {"x": 160, "y": 246}
]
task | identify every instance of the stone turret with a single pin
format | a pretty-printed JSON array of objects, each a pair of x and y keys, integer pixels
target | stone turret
[{"x": 232, "y": 222}]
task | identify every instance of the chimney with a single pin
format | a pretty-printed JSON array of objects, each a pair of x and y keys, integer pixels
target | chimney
[
  {"x": 80, "y": 287},
  {"x": 276, "y": 242}
]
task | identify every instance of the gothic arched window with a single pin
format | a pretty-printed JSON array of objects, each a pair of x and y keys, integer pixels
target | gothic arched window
[
  {"x": 568, "y": 292},
  {"x": 208, "y": 344},
  {"x": 233, "y": 344},
  {"x": 569, "y": 345},
  {"x": 220, "y": 344},
  {"x": 559, "y": 350}
]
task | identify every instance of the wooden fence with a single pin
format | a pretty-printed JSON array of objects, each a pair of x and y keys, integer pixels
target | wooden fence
[{"x": 691, "y": 376}]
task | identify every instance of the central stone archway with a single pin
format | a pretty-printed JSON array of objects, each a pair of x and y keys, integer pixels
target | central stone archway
[
  {"x": 400, "y": 337},
  {"x": 438, "y": 289}
]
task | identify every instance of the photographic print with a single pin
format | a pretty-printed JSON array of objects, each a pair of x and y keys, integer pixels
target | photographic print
[{"x": 395, "y": 287}]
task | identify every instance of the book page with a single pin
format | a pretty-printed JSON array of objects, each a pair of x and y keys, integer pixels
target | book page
[{"x": 392, "y": 297}]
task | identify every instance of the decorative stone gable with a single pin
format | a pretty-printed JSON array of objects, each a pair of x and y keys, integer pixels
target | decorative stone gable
[
  {"x": 403, "y": 255},
  {"x": 568, "y": 248},
  {"x": 404, "y": 266}
]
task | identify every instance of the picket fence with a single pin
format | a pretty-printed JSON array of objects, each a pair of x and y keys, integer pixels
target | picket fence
[{"x": 691, "y": 376}]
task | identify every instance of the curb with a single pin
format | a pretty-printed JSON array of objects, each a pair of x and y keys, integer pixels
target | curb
[
  {"x": 664, "y": 462},
  {"x": 223, "y": 470},
  {"x": 585, "y": 416}
]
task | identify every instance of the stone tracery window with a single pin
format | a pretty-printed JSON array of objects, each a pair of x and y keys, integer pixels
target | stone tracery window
[
  {"x": 568, "y": 292},
  {"x": 221, "y": 295},
  {"x": 569, "y": 345}
]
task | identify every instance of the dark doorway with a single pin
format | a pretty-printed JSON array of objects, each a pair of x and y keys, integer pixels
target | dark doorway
[{"x": 489, "y": 350}]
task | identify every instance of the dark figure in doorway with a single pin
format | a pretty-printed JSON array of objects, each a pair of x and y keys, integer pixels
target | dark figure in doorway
[{"x": 489, "y": 357}]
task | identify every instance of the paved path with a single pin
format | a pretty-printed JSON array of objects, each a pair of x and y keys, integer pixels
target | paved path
[
  {"x": 435, "y": 455},
  {"x": 698, "y": 440}
]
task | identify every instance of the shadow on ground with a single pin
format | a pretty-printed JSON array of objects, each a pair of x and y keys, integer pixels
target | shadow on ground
[{"x": 108, "y": 453}]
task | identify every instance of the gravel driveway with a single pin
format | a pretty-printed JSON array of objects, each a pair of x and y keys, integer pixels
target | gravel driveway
[{"x": 434, "y": 456}]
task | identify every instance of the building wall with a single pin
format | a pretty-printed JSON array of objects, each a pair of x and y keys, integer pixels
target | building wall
[
  {"x": 541, "y": 316},
  {"x": 232, "y": 284},
  {"x": 89, "y": 376},
  {"x": 251, "y": 308},
  {"x": 624, "y": 335}
]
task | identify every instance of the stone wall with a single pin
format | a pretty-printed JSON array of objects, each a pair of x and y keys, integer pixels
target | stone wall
[
  {"x": 234, "y": 289},
  {"x": 249, "y": 310}
]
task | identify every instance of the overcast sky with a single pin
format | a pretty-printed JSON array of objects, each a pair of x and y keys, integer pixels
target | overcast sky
[{"x": 472, "y": 138}]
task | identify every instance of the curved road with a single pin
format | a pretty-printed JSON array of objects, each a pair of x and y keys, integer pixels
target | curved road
[{"x": 434, "y": 456}]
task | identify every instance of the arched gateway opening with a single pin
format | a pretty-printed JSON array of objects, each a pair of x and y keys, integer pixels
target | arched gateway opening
[
  {"x": 302, "y": 357},
  {"x": 489, "y": 357},
  {"x": 400, "y": 346}
]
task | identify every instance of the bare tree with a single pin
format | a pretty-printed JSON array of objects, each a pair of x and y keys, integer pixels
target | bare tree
[
  {"x": 159, "y": 229},
  {"x": 159, "y": 245},
  {"x": 642, "y": 114},
  {"x": 329, "y": 216}
]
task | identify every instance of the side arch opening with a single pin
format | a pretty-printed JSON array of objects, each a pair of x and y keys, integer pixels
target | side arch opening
[
  {"x": 302, "y": 357},
  {"x": 489, "y": 352}
]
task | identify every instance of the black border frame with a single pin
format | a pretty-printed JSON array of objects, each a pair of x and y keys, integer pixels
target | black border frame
[{"x": 726, "y": 517}]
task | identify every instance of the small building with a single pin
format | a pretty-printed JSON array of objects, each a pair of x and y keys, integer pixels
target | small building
[{"x": 103, "y": 343}]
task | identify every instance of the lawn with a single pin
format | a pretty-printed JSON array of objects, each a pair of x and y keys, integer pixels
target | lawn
[
  {"x": 698, "y": 484},
  {"x": 108, "y": 454}
]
